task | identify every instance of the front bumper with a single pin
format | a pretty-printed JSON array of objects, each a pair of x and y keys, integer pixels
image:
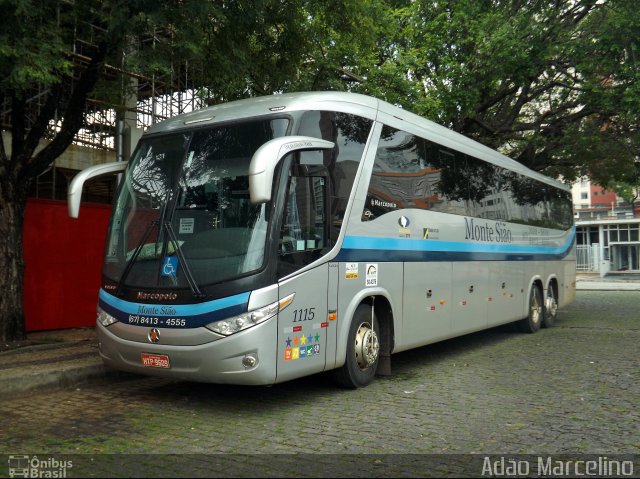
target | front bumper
[{"x": 217, "y": 361}]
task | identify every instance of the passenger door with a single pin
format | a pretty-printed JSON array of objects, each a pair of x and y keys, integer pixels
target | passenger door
[{"x": 302, "y": 326}]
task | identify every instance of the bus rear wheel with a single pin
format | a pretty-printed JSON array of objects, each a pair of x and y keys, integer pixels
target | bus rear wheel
[
  {"x": 550, "y": 307},
  {"x": 533, "y": 321},
  {"x": 363, "y": 350}
]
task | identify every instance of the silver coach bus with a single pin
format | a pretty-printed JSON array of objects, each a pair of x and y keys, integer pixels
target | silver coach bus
[{"x": 267, "y": 239}]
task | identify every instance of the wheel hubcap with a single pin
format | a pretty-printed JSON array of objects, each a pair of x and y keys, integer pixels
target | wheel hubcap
[
  {"x": 536, "y": 308},
  {"x": 551, "y": 305},
  {"x": 366, "y": 347}
]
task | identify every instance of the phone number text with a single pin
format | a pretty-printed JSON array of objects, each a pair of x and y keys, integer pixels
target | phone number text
[{"x": 155, "y": 321}]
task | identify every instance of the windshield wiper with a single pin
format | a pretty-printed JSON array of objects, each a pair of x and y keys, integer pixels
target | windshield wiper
[
  {"x": 167, "y": 215},
  {"x": 187, "y": 270},
  {"x": 176, "y": 248},
  {"x": 134, "y": 256}
]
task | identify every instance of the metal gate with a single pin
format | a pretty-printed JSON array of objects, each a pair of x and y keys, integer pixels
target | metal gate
[{"x": 584, "y": 257}]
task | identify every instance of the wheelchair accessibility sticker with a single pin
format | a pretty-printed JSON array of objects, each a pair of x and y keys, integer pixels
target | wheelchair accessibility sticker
[{"x": 170, "y": 266}]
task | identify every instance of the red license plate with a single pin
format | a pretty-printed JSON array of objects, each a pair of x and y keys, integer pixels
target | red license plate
[{"x": 155, "y": 360}]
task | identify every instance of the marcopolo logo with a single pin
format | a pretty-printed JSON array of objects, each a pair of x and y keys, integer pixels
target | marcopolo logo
[
  {"x": 33, "y": 466},
  {"x": 156, "y": 296}
]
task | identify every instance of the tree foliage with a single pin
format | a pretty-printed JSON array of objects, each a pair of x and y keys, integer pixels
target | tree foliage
[{"x": 553, "y": 84}]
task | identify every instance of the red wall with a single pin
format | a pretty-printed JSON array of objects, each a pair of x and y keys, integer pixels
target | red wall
[
  {"x": 63, "y": 264},
  {"x": 603, "y": 197}
]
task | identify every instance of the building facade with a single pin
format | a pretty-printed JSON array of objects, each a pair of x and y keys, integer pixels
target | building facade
[{"x": 607, "y": 230}]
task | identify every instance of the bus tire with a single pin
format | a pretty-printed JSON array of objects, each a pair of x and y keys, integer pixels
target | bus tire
[
  {"x": 533, "y": 321},
  {"x": 363, "y": 350},
  {"x": 550, "y": 307}
]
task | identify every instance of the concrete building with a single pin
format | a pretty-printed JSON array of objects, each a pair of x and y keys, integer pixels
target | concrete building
[{"x": 607, "y": 230}]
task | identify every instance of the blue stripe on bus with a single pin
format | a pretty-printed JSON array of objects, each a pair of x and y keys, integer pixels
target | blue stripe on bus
[
  {"x": 194, "y": 315},
  {"x": 368, "y": 248}
]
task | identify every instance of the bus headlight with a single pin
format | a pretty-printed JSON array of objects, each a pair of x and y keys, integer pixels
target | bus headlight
[
  {"x": 105, "y": 318},
  {"x": 251, "y": 318}
]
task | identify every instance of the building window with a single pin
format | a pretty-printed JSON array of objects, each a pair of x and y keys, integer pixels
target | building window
[{"x": 54, "y": 183}]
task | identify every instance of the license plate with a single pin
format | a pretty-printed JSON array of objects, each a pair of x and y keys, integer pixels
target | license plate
[{"x": 155, "y": 360}]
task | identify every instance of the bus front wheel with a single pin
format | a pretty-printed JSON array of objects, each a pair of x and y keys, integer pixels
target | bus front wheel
[
  {"x": 363, "y": 349},
  {"x": 533, "y": 321}
]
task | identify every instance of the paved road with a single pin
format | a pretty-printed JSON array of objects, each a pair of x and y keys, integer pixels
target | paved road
[{"x": 570, "y": 389}]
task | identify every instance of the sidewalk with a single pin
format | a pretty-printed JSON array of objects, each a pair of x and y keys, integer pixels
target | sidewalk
[
  {"x": 50, "y": 359},
  {"x": 610, "y": 282}
]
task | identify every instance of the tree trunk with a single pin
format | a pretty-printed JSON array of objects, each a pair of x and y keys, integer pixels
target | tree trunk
[{"x": 12, "y": 325}]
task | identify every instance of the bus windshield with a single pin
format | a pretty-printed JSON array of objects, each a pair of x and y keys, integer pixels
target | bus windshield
[{"x": 183, "y": 209}]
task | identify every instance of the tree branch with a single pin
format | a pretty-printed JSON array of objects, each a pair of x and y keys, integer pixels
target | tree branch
[
  {"x": 73, "y": 116},
  {"x": 39, "y": 127},
  {"x": 523, "y": 98},
  {"x": 500, "y": 95},
  {"x": 17, "y": 126},
  {"x": 3, "y": 152}
]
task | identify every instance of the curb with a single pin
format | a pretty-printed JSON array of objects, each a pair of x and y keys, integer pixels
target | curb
[
  {"x": 602, "y": 286},
  {"x": 59, "y": 378}
]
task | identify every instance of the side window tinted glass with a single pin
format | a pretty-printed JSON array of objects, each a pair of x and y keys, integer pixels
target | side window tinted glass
[
  {"x": 350, "y": 134},
  {"x": 411, "y": 172}
]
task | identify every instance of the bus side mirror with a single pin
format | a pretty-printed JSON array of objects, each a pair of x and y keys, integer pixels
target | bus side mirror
[
  {"x": 75, "y": 188},
  {"x": 265, "y": 159}
]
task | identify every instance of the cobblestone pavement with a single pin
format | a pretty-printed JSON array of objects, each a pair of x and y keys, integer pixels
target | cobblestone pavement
[{"x": 570, "y": 389}]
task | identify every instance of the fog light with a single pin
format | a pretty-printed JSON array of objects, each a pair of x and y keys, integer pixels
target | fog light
[{"x": 250, "y": 361}]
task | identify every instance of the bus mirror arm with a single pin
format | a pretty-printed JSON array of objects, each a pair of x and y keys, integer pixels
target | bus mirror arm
[
  {"x": 75, "y": 188},
  {"x": 267, "y": 157}
]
